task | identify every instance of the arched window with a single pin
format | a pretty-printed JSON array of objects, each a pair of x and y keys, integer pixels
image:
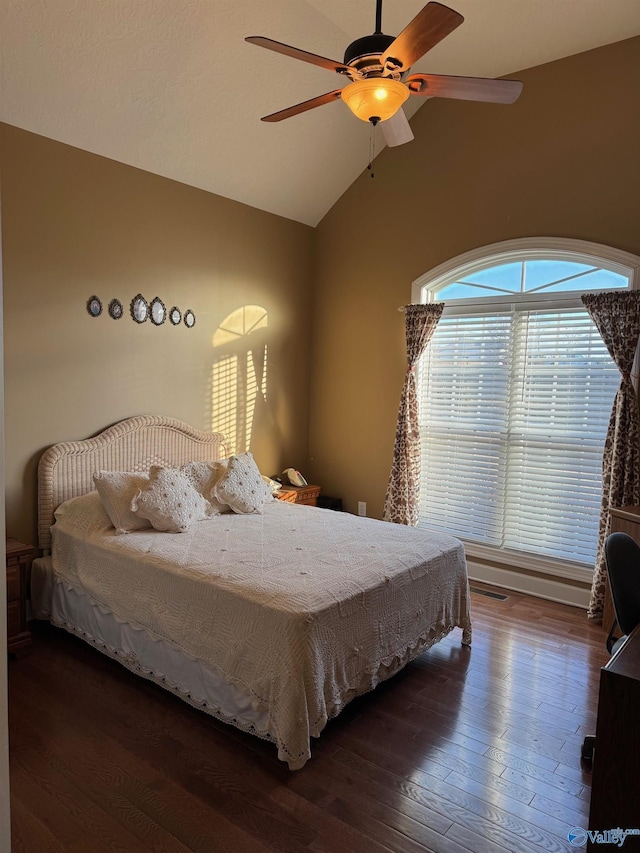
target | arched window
[{"x": 515, "y": 390}]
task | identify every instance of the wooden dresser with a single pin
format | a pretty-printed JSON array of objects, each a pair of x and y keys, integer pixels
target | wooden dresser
[
  {"x": 19, "y": 559},
  {"x": 299, "y": 494},
  {"x": 624, "y": 519},
  {"x": 616, "y": 760}
]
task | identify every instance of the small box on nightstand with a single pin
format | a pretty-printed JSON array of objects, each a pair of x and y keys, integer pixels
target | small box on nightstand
[{"x": 299, "y": 494}]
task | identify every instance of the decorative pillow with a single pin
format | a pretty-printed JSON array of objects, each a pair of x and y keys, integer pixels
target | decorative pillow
[
  {"x": 241, "y": 486},
  {"x": 169, "y": 501},
  {"x": 203, "y": 476},
  {"x": 116, "y": 490}
]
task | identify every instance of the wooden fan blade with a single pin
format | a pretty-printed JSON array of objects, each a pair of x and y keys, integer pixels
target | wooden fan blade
[
  {"x": 304, "y": 106},
  {"x": 396, "y": 130},
  {"x": 428, "y": 28},
  {"x": 465, "y": 88},
  {"x": 296, "y": 53}
]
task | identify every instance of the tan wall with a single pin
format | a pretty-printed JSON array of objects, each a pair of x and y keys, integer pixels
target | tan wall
[
  {"x": 563, "y": 161},
  {"x": 75, "y": 224}
]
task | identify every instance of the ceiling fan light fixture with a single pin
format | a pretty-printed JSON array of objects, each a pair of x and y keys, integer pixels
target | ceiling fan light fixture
[{"x": 375, "y": 98}]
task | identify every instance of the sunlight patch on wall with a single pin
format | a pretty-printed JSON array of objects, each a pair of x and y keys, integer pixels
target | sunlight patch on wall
[
  {"x": 239, "y": 374},
  {"x": 243, "y": 321}
]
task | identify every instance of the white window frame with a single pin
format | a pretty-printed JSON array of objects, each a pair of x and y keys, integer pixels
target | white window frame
[{"x": 424, "y": 290}]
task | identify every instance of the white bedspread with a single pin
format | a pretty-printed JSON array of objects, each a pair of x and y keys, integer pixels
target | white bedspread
[{"x": 302, "y": 608}]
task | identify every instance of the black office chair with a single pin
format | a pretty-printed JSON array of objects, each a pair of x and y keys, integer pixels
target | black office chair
[{"x": 622, "y": 555}]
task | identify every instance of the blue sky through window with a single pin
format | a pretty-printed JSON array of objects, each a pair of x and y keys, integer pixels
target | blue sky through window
[{"x": 543, "y": 276}]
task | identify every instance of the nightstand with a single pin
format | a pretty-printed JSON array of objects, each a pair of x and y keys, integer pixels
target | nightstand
[
  {"x": 19, "y": 559},
  {"x": 299, "y": 494}
]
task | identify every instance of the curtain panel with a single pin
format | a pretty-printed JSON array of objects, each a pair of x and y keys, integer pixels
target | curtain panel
[
  {"x": 402, "y": 499},
  {"x": 616, "y": 315}
]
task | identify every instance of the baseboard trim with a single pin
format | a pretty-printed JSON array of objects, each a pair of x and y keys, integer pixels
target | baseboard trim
[{"x": 549, "y": 588}]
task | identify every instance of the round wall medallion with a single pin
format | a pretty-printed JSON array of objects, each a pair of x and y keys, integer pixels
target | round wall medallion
[
  {"x": 189, "y": 319},
  {"x": 157, "y": 311},
  {"x": 115, "y": 309},
  {"x": 139, "y": 308},
  {"x": 175, "y": 315},
  {"x": 94, "y": 306}
]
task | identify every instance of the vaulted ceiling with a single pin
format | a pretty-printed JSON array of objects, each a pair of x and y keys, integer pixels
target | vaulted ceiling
[{"x": 170, "y": 86}]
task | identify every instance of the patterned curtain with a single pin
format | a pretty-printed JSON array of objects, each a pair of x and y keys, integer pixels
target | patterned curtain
[
  {"x": 617, "y": 318},
  {"x": 403, "y": 491}
]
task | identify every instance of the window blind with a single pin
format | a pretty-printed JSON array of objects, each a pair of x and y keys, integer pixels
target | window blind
[{"x": 514, "y": 408}]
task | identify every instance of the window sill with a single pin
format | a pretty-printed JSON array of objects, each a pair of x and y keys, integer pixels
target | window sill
[{"x": 519, "y": 560}]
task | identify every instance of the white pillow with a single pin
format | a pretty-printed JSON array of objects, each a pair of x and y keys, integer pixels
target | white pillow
[
  {"x": 241, "y": 486},
  {"x": 116, "y": 490},
  {"x": 86, "y": 512},
  {"x": 203, "y": 476},
  {"x": 169, "y": 501}
]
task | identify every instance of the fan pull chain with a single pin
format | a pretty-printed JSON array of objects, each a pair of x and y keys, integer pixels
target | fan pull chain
[{"x": 372, "y": 148}]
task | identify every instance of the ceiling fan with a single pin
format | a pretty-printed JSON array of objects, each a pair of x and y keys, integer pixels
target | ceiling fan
[{"x": 378, "y": 70}]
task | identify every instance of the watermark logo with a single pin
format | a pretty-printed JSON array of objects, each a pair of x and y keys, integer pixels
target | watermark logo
[{"x": 579, "y": 836}]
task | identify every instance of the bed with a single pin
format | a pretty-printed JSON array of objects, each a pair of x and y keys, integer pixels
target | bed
[{"x": 269, "y": 621}]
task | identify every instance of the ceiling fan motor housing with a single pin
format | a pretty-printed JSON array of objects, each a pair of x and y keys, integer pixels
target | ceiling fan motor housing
[{"x": 363, "y": 50}]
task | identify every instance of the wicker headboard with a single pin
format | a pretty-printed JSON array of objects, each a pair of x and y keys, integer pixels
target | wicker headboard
[{"x": 65, "y": 470}]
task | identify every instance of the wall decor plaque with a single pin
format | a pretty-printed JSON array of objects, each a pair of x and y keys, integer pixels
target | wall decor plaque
[
  {"x": 157, "y": 311},
  {"x": 115, "y": 309},
  {"x": 94, "y": 306},
  {"x": 139, "y": 309}
]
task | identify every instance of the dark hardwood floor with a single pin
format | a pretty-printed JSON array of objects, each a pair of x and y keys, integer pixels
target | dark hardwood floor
[{"x": 467, "y": 750}]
